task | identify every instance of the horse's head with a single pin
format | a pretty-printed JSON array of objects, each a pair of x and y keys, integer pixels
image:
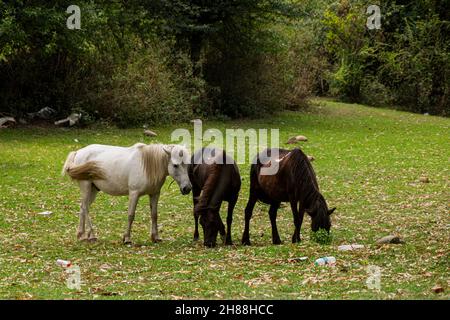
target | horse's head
[
  {"x": 320, "y": 215},
  {"x": 210, "y": 223},
  {"x": 179, "y": 159}
]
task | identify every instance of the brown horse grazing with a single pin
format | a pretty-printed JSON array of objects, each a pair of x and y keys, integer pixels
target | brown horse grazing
[
  {"x": 295, "y": 182},
  {"x": 215, "y": 178}
]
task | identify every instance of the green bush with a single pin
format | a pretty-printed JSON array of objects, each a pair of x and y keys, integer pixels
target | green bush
[
  {"x": 147, "y": 89},
  {"x": 374, "y": 93},
  {"x": 405, "y": 63}
]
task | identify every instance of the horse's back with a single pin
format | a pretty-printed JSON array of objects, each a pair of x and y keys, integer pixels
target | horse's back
[
  {"x": 270, "y": 188},
  {"x": 108, "y": 153},
  {"x": 121, "y": 166},
  {"x": 222, "y": 169}
]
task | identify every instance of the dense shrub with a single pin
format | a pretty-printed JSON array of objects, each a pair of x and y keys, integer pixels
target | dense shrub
[
  {"x": 146, "y": 90},
  {"x": 405, "y": 63}
]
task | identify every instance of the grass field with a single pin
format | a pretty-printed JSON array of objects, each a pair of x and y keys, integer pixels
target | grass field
[{"x": 368, "y": 161}]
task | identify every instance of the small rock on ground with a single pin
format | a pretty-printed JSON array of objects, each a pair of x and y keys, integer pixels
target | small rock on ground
[
  {"x": 437, "y": 289},
  {"x": 390, "y": 239},
  {"x": 296, "y": 139},
  {"x": 150, "y": 133},
  {"x": 424, "y": 179}
]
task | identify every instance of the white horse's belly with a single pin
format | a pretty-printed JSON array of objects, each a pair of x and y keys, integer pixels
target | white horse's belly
[{"x": 111, "y": 187}]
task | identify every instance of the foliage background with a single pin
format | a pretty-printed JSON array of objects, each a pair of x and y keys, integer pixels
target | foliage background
[{"x": 141, "y": 61}]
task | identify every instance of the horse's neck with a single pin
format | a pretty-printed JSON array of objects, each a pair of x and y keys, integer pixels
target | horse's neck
[
  {"x": 306, "y": 187},
  {"x": 309, "y": 195},
  {"x": 316, "y": 201}
]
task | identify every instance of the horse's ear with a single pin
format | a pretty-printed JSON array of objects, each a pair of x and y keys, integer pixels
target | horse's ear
[
  {"x": 168, "y": 149},
  {"x": 331, "y": 211}
]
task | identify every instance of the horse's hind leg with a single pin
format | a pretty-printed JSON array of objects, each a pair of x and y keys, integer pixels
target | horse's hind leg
[
  {"x": 85, "y": 189},
  {"x": 222, "y": 231},
  {"x": 248, "y": 215},
  {"x": 132, "y": 203},
  {"x": 154, "y": 209},
  {"x": 273, "y": 220},
  {"x": 231, "y": 205},
  {"x": 296, "y": 215},
  {"x": 90, "y": 229}
]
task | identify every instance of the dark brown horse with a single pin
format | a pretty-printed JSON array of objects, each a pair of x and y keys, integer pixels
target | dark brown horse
[
  {"x": 215, "y": 178},
  {"x": 296, "y": 183}
]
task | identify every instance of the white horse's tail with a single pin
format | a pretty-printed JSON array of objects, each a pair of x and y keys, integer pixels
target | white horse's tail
[
  {"x": 86, "y": 171},
  {"x": 68, "y": 163}
]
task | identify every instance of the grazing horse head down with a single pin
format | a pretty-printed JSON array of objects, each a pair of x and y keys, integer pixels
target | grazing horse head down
[
  {"x": 320, "y": 215},
  {"x": 294, "y": 182},
  {"x": 306, "y": 189},
  {"x": 215, "y": 178}
]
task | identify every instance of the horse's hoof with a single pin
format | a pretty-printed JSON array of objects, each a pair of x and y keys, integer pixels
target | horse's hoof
[
  {"x": 126, "y": 240},
  {"x": 80, "y": 235},
  {"x": 277, "y": 242},
  {"x": 228, "y": 243},
  {"x": 156, "y": 240},
  {"x": 209, "y": 244},
  {"x": 92, "y": 239},
  {"x": 246, "y": 242},
  {"x": 195, "y": 239},
  {"x": 83, "y": 238}
]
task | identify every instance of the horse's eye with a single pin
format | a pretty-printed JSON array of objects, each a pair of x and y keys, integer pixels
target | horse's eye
[{"x": 175, "y": 166}]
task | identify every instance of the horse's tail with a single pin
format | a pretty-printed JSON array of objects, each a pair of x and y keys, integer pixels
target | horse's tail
[
  {"x": 68, "y": 163},
  {"x": 86, "y": 171}
]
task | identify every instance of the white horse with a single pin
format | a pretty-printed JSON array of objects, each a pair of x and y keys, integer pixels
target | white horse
[{"x": 135, "y": 171}]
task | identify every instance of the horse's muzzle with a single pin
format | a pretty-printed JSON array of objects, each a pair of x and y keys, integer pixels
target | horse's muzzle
[{"x": 185, "y": 190}]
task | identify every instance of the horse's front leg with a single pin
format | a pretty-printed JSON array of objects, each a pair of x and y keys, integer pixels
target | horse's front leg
[
  {"x": 154, "y": 210},
  {"x": 195, "y": 195},
  {"x": 301, "y": 214},
  {"x": 132, "y": 203},
  {"x": 296, "y": 215}
]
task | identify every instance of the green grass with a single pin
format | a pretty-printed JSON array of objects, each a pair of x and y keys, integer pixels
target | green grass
[{"x": 368, "y": 163}]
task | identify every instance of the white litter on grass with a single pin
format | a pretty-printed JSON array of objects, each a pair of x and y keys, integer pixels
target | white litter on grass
[
  {"x": 6, "y": 120},
  {"x": 76, "y": 140},
  {"x": 349, "y": 247},
  {"x": 63, "y": 263},
  {"x": 325, "y": 261},
  {"x": 45, "y": 213},
  {"x": 298, "y": 259}
]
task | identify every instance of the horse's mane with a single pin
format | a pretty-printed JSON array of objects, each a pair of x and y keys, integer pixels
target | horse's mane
[
  {"x": 304, "y": 178},
  {"x": 154, "y": 161}
]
